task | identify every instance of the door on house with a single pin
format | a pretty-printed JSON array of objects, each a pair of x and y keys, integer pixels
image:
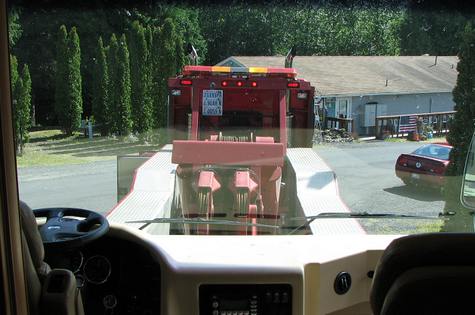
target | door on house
[
  {"x": 338, "y": 108},
  {"x": 343, "y": 107}
]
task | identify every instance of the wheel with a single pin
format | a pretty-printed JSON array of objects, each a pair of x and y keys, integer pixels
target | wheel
[{"x": 61, "y": 230}]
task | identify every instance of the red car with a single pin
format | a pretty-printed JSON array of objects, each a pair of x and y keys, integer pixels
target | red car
[{"x": 426, "y": 165}]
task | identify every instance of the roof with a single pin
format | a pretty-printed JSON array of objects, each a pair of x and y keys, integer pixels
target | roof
[{"x": 366, "y": 75}]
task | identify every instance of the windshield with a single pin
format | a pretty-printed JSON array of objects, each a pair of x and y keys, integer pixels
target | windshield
[
  {"x": 434, "y": 151},
  {"x": 247, "y": 119}
]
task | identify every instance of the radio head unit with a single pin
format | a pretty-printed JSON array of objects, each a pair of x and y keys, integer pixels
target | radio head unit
[{"x": 245, "y": 299}]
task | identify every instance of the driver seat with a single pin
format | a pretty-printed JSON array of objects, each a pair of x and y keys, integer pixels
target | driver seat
[
  {"x": 49, "y": 291},
  {"x": 421, "y": 274}
]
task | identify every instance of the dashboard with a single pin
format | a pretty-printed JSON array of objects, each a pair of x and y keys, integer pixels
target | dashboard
[
  {"x": 115, "y": 276},
  {"x": 132, "y": 272}
]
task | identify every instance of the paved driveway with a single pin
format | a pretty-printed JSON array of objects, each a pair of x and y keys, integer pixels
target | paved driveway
[
  {"x": 367, "y": 182},
  {"x": 91, "y": 186}
]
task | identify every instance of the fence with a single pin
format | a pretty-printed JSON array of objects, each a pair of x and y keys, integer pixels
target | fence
[{"x": 401, "y": 125}]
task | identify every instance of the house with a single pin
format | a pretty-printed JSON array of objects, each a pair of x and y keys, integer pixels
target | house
[{"x": 362, "y": 88}]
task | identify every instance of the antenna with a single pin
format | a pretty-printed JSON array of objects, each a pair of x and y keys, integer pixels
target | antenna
[
  {"x": 290, "y": 57},
  {"x": 192, "y": 54}
]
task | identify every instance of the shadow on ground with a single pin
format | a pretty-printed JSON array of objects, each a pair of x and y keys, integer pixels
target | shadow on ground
[
  {"x": 416, "y": 193},
  {"x": 79, "y": 146},
  {"x": 49, "y": 138}
]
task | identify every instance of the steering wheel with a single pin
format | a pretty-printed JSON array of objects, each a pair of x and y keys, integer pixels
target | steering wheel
[{"x": 60, "y": 230}]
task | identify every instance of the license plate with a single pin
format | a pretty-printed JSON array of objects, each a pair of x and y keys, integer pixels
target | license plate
[
  {"x": 212, "y": 103},
  {"x": 415, "y": 176}
]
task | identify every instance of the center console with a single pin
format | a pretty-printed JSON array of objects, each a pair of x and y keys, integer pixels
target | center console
[{"x": 245, "y": 299}]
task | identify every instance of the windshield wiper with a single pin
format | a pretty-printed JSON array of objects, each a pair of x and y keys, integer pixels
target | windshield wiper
[
  {"x": 355, "y": 215},
  {"x": 200, "y": 221}
]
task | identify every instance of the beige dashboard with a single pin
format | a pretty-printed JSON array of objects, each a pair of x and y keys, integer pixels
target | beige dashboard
[{"x": 309, "y": 264}]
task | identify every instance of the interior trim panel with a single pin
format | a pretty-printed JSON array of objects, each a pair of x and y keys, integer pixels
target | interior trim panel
[{"x": 315, "y": 267}]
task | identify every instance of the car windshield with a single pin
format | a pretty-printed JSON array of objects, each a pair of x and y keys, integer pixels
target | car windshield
[
  {"x": 434, "y": 151},
  {"x": 245, "y": 119}
]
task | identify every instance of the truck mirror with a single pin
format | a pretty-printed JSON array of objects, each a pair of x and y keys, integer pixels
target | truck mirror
[{"x": 468, "y": 183}]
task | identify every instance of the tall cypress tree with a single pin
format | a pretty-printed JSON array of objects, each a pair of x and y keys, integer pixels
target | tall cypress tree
[
  {"x": 100, "y": 96},
  {"x": 13, "y": 75},
  {"x": 140, "y": 79},
  {"x": 26, "y": 77},
  {"x": 15, "y": 89},
  {"x": 156, "y": 75},
  {"x": 21, "y": 96},
  {"x": 22, "y": 109},
  {"x": 68, "y": 95},
  {"x": 113, "y": 92},
  {"x": 168, "y": 63},
  {"x": 74, "y": 75},
  {"x": 61, "y": 87},
  {"x": 123, "y": 122}
]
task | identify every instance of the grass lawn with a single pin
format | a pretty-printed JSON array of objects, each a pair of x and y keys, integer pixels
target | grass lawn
[
  {"x": 436, "y": 138},
  {"x": 51, "y": 147},
  {"x": 401, "y": 226}
]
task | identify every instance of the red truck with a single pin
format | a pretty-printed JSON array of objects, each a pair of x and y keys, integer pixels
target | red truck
[
  {"x": 232, "y": 127},
  {"x": 240, "y": 159}
]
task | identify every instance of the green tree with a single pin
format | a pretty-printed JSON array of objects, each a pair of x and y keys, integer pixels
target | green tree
[
  {"x": 61, "y": 86},
  {"x": 14, "y": 27},
  {"x": 140, "y": 71},
  {"x": 13, "y": 75},
  {"x": 461, "y": 131},
  {"x": 100, "y": 96},
  {"x": 156, "y": 75},
  {"x": 188, "y": 30},
  {"x": 74, "y": 75},
  {"x": 21, "y": 97},
  {"x": 464, "y": 98},
  {"x": 68, "y": 96},
  {"x": 122, "y": 89},
  {"x": 16, "y": 87},
  {"x": 425, "y": 30},
  {"x": 23, "y": 109},
  {"x": 113, "y": 92},
  {"x": 168, "y": 63},
  {"x": 36, "y": 46}
]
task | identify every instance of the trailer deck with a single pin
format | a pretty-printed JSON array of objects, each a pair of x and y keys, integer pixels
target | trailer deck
[
  {"x": 150, "y": 193},
  {"x": 317, "y": 192}
]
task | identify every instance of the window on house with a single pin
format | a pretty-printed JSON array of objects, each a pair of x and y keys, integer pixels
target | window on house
[{"x": 330, "y": 105}]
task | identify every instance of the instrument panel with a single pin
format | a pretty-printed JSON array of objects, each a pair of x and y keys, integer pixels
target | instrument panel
[{"x": 115, "y": 276}]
